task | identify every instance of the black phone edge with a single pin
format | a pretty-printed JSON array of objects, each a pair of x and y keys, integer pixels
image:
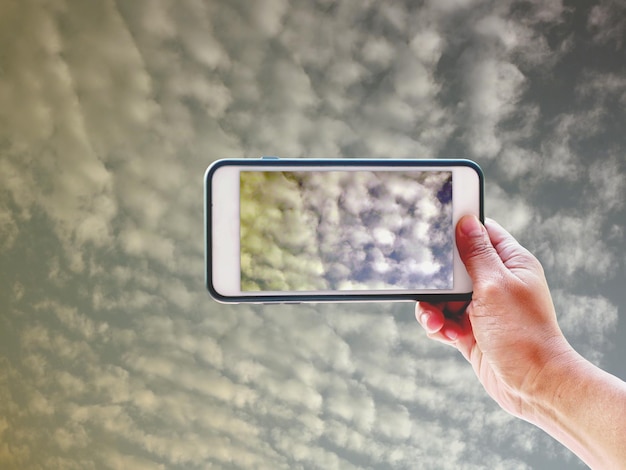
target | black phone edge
[{"x": 330, "y": 162}]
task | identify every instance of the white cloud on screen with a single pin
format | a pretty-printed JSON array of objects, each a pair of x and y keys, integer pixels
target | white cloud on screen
[
  {"x": 346, "y": 230},
  {"x": 112, "y": 355}
]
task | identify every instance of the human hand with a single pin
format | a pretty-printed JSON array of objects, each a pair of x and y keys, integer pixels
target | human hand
[{"x": 509, "y": 331}]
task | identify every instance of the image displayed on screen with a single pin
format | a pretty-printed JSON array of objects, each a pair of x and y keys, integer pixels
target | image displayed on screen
[{"x": 346, "y": 230}]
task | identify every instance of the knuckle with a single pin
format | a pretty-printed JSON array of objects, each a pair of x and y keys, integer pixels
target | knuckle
[{"x": 492, "y": 287}]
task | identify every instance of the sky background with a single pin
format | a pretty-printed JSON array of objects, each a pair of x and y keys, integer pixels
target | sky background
[
  {"x": 351, "y": 230},
  {"x": 112, "y": 354}
]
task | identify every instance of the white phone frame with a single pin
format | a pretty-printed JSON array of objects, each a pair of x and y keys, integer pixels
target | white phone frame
[{"x": 222, "y": 238}]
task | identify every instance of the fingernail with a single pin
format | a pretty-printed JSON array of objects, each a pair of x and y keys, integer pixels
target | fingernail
[
  {"x": 470, "y": 226},
  {"x": 452, "y": 335},
  {"x": 424, "y": 317}
]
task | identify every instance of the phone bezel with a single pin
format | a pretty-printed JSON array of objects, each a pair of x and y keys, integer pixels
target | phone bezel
[{"x": 278, "y": 164}]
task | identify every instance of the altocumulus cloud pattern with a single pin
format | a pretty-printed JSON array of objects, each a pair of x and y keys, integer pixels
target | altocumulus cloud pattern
[{"x": 113, "y": 356}]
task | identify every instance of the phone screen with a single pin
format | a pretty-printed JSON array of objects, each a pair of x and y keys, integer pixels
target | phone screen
[{"x": 346, "y": 230}]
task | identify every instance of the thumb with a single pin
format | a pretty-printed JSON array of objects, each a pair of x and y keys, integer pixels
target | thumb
[{"x": 477, "y": 252}]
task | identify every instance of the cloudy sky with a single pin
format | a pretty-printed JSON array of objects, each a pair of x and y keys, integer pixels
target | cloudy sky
[
  {"x": 112, "y": 354},
  {"x": 351, "y": 230}
]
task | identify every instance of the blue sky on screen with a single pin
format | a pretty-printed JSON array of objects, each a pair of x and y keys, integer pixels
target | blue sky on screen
[{"x": 113, "y": 356}]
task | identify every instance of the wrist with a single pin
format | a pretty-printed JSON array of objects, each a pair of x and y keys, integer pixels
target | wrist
[
  {"x": 557, "y": 367},
  {"x": 559, "y": 404},
  {"x": 581, "y": 406}
]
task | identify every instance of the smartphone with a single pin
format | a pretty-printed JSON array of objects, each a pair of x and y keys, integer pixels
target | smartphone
[{"x": 337, "y": 230}]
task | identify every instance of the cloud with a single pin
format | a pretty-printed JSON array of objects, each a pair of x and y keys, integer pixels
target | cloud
[
  {"x": 604, "y": 86},
  {"x": 47, "y": 119},
  {"x": 112, "y": 354},
  {"x": 606, "y": 22},
  {"x": 608, "y": 190},
  {"x": 9, "y": 230},
  {"x": 571, "y": 245},
  {"x": 551, "y": 11},
  {"x": 586, "y": 321},
  {"x": 514, "y": 213},
  {"x": 494, "y": 88}
]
